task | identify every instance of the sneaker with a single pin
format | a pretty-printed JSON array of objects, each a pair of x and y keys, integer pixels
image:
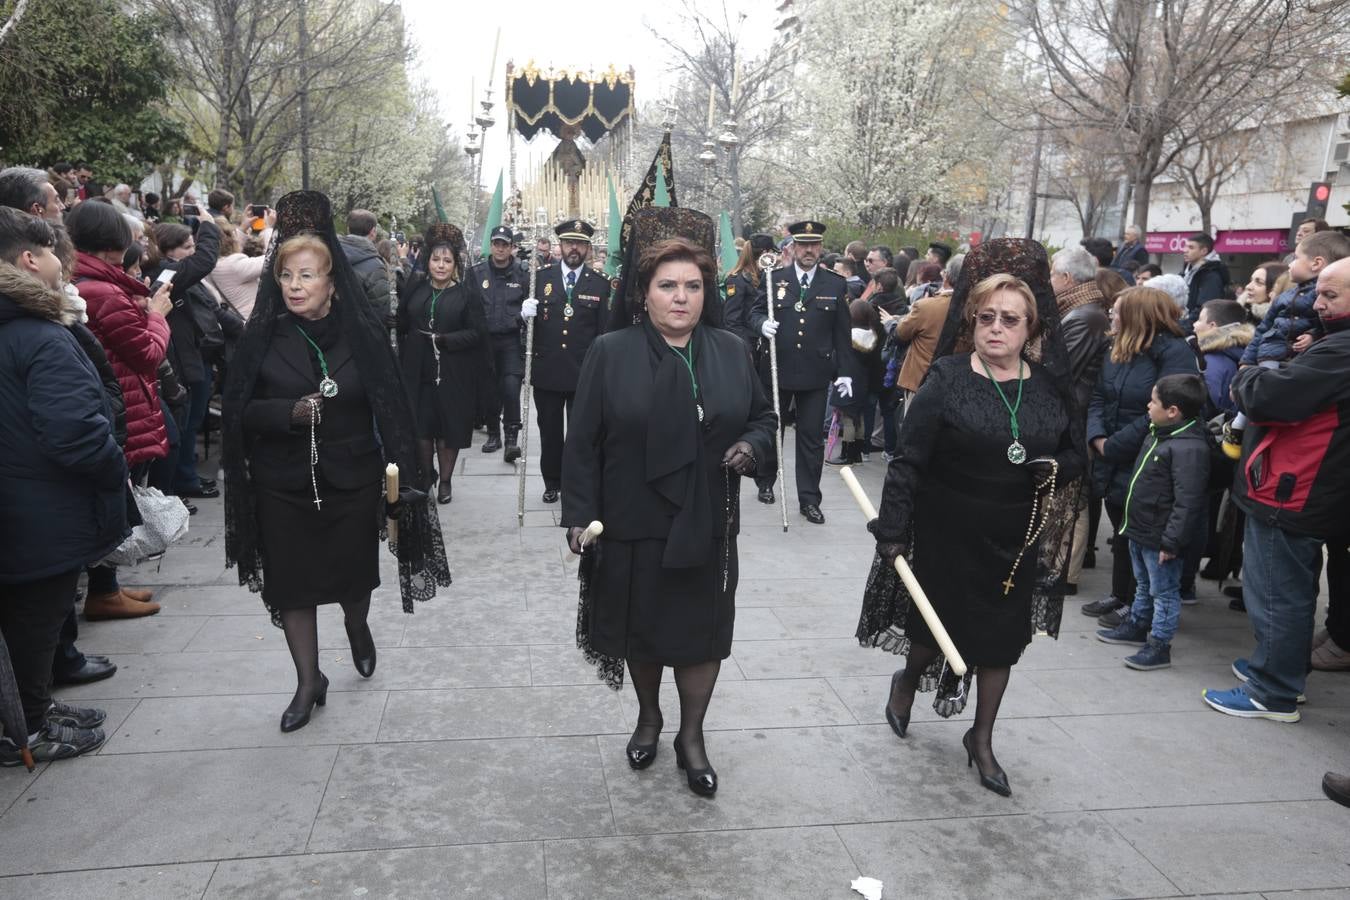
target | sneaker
[
  {"x": 1100, "y": 607},
  {"x": 1127, "y": 632},
  {"x": 74, "y": 716},
  {"x": 1114, "y": 618},
  {"x": 1236, "y": 702},
  {"x": 1189, "y": 599},
  {"x": 1241, "y": 671},
  {"x": 52, "y": 743},
  {"x": 1330, "y": 657},
  {"x": 1320, "y": 638},
  {"x": 1154, "y": 655}
]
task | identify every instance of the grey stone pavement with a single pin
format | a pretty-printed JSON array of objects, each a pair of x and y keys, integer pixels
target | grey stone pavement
[{"x": 485, "y": 760}]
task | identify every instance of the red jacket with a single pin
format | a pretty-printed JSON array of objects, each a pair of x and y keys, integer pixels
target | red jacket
[{"x": 136, "y": 342}]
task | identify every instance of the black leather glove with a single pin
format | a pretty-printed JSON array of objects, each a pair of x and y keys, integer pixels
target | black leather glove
[{"x": 406, "y": 497}]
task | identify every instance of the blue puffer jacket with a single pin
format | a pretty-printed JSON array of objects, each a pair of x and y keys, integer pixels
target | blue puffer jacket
[
  {"x": 62, "y": 476},
  {"x": 1119, "y": 409},
  {"x": 1289, "y": 316}
]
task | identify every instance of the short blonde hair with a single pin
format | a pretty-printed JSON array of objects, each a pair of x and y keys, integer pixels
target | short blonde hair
[
  {"x": 985, "y": 290},
  {"x": 299, "y": 244},
  {"x": 229, "y": 236}
]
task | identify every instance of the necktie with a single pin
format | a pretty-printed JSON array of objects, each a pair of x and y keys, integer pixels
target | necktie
[
  {"x": 806, "y": 283},
  {"x": 571, "y": 283}
]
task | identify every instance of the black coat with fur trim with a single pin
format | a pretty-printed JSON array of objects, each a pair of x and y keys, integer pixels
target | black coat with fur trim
[{"x": 62, "y": 476}]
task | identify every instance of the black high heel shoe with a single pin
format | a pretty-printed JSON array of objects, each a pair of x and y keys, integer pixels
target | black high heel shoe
[
  {"x": 443, "y": 493},
  {"x": 640, "y": 756},
  {"x": 998, "y": 782},
  {"x": 701, "y": 781},
  {"x": 297, "y": 714},
  {"x": 899, "y": 724},
  {"x": 362, "y": 643}
]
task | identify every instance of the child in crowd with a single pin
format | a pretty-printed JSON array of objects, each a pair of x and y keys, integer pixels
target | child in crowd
[
  {"x": 866, "y": 369},
  {"x": 1165, "y": 499},
  {"x": 1291, "y": 324},
  {"x": 1223, "y": 334}
]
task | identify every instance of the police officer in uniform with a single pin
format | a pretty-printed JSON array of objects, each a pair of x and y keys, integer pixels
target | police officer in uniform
[
  {"x": 811, "y": 329},
  {"x": 569, "y": 311},
  {"x": 502, "y": 277}
]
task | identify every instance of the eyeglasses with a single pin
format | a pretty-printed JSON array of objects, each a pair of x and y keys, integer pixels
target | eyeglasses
[
  {"x": 1009, "y": 320},
  {"x": 304, "y": 278}
]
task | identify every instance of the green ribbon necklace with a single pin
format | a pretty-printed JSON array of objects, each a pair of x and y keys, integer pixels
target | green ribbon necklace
[
  {"x": 1017, "y": 454},
  {"x": 328, "y": 388},
  {"x": 693, "y": 379}
]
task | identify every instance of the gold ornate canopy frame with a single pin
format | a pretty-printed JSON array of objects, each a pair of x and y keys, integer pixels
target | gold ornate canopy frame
[{"x": 547, "y": 100}]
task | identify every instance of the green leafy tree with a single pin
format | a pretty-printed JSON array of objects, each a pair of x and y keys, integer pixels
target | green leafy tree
[{"x": 85, "y": 80}]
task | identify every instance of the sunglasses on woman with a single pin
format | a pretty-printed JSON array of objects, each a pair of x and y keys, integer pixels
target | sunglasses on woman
[{"x": 1009, "y": 320}]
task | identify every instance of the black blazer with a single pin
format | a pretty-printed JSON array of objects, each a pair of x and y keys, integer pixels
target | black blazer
[
  {"x": 278, "y": 452},
  {"x": 813, "y": 343},
  {"x": 740, "y": 296},
  {"x": 605, "y": 453},
  {"x": 560, "y": 343}
]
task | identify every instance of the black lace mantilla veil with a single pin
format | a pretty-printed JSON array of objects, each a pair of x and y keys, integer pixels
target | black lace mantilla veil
[
  {"x": 649, "y": 224},
  {"x": 887, "y": 605},
  {"x": 420, "y": 550}
]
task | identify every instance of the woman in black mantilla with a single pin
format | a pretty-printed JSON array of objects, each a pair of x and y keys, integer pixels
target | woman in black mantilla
[
  {"x": 669, "y": 414},
  {"x": 986, "y": 462},
  {"x": 313, "y": 411},
  {"x": 442, "y": 328}
]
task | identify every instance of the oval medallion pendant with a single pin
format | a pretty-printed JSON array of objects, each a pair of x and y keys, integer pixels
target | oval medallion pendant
[
  {"x": 328, "y": 387},
  {"x": 1017, "y": 454}
]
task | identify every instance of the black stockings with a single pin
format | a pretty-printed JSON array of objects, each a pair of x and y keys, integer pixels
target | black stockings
[
  {"x": 646, "y": 678},
  {"x": 302, "y": 637},
  {"x": 695, "y": 684},
  {"x": 444, "y": 459},
  {"x": 990, "y": 682}
]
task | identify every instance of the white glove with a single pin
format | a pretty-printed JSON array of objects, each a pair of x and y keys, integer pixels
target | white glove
[
  {"x": 769, "y": 328},
  {"x": 844, "y": 385},
  {"x": 529, "y": 308}
]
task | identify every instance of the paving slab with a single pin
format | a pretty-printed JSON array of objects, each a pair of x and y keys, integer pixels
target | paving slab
[
  {"x": 166, "y": 808},
  {"x": 1052, "y": 856},
  {"x": 391, "y": 795},
  {"x": 766, "y": 864},
  {"x": 129, "y": 883},
  {"x": 476, "y": 713},
  {"x": 1243, "y": 846},
  {"x": 483, "y": 870}
]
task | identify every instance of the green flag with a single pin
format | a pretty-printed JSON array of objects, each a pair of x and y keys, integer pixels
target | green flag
[
  {"x": 494, "y": 216},
  {"x": 436, "y": 202},
  {"x": 728, "y": 241},
  {"x": 662, "y": 195},
  {"x": 612, "y": 245}
]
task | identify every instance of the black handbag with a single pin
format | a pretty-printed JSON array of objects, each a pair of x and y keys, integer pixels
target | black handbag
[{"x": 205, "y": 314}]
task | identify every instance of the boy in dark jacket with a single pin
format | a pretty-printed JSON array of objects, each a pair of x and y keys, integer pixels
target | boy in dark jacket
[{"x": 1165, "y": 501}]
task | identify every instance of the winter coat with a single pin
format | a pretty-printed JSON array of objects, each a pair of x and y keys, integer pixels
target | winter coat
[
  {"x": 236, "y": 278},
  {"x": 920, "y": 329},
  {"x": 74, "y": 311},
  {"x": 1137, "y": 252},
  {"x": 1084, "y": 323},
  {"x": 1166, "y": 497},
  {"x": 1295, "y": 468},
  {"x": 864, "y": 366},
  {"x": 1223, "y": 348},
  {"x": 1208, "y": 282},
  {"x": 1118, "y": 410},
  {"x": 62, "y": 476},
  {"x": 1288, "y": 317},
  {"x": 136, "y": 342},
  {"x": 370, "y": 269}
]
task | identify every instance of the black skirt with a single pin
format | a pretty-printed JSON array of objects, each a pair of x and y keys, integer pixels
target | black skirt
[
  {"x": 645, "y": 612},
  {"x": 315, "y": 556}
]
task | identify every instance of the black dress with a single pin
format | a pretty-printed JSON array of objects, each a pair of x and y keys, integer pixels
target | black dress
[
  {"x": 967, "y": 508},
  {"x": 326, "y": 552},
  {"x": 642, "y": 607},
  {"x": 444, "y": 410}
]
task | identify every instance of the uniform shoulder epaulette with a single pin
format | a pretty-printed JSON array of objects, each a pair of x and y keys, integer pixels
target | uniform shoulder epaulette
[{"x": 830, "y": 273}]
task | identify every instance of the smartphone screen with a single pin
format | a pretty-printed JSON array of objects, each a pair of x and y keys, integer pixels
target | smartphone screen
[
  {"x": 165, "y": 276},
  {"x": 257, "y": 211}
]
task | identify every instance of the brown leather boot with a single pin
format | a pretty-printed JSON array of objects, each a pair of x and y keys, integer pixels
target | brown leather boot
[
  {"x": 116, "y": 605},
  {"x": 140, "y": 595}
]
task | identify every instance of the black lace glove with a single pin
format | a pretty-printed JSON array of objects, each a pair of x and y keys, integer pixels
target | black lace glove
[
  {"x": 574, "y": 539},
  {"x": 740, "y": 458},
  {"x": 303, "y": 411},
  {"x": 1041, "y": 468},
  {"x": 406, "y": 496},
  {"x": 890, "y": 550}
]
